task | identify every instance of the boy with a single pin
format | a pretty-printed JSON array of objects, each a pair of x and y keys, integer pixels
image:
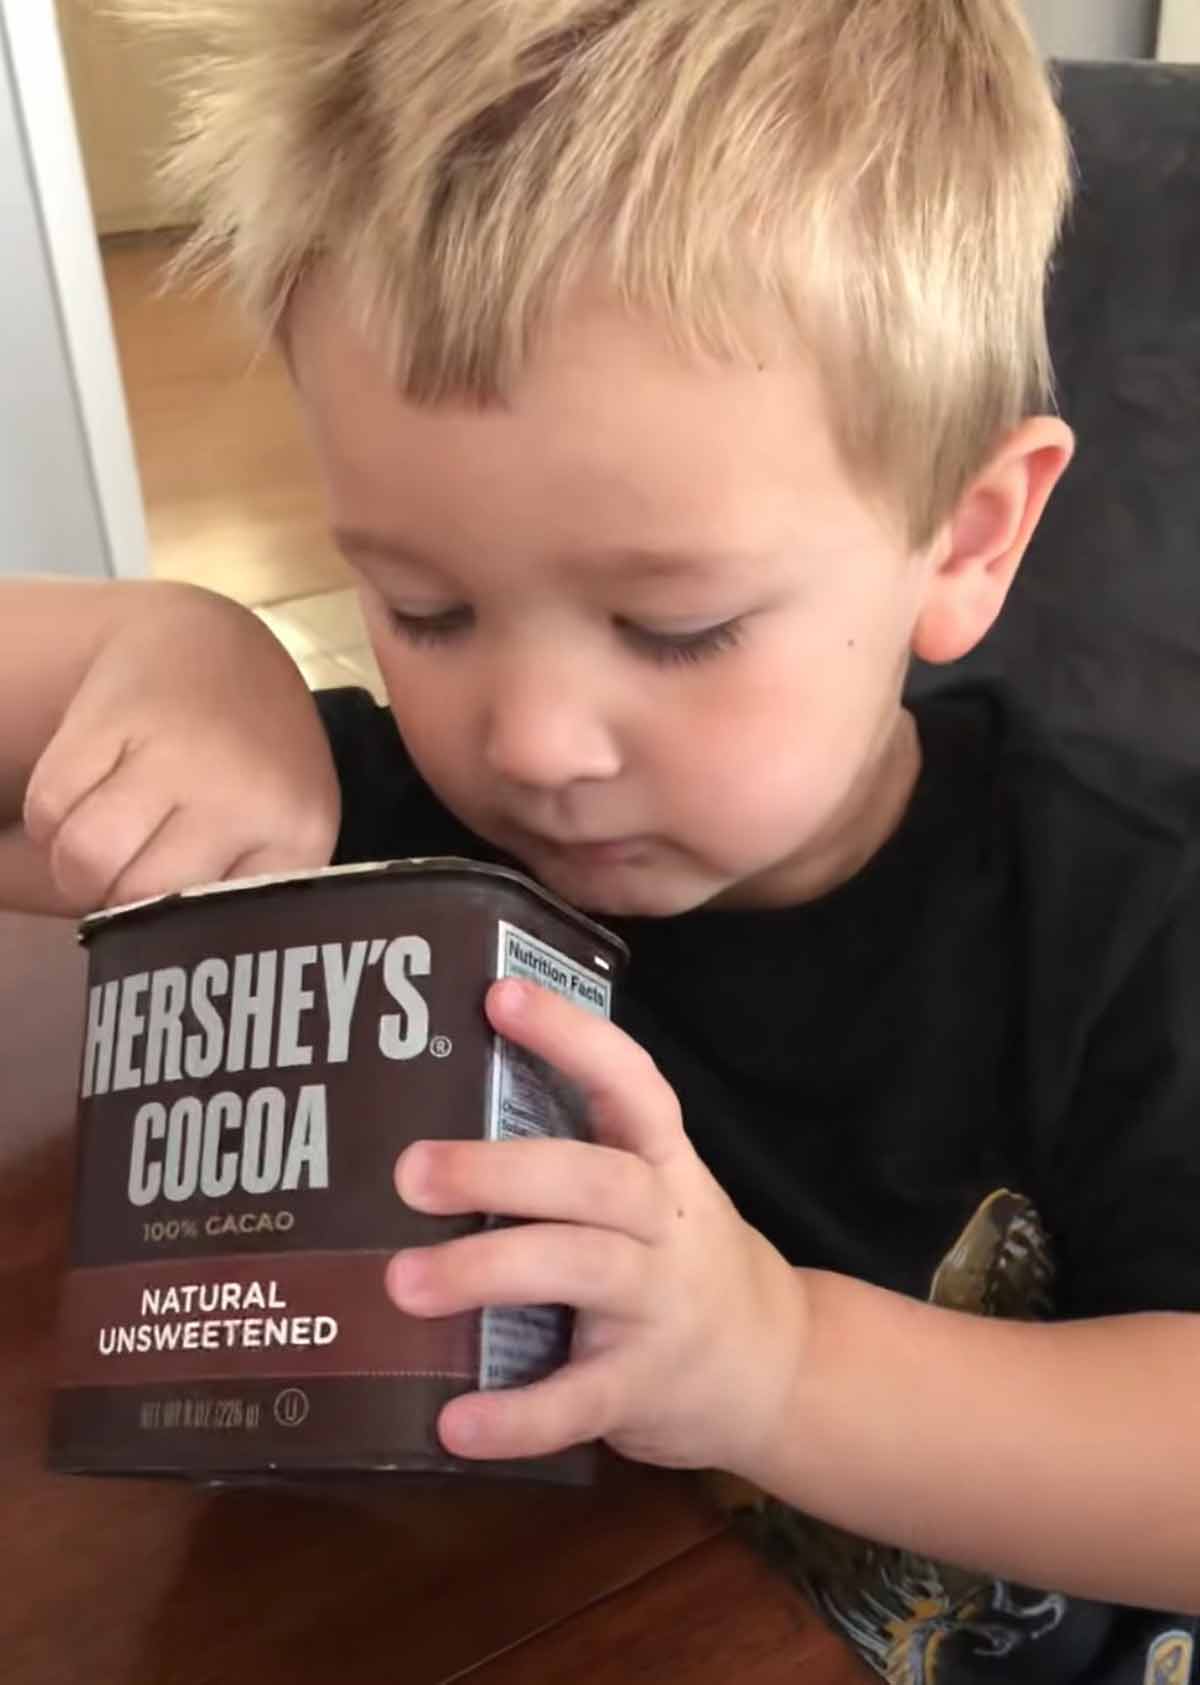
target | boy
[{"x": 677, "y": 368}]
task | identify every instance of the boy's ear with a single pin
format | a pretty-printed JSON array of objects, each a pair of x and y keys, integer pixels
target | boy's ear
[{"x": 976, "y": 556}]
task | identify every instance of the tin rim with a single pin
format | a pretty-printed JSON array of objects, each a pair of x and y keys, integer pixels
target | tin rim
[{"x": 448, "y": 865}]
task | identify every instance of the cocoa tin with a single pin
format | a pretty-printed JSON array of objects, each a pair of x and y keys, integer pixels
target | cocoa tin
[{"x": 256, "y": 1057}]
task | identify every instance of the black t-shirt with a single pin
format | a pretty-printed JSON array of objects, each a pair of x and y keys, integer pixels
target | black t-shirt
[{"x": 970, "y": 1074}]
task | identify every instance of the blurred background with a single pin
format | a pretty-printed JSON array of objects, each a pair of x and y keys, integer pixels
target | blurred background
[{"x": 121, "y": 86}]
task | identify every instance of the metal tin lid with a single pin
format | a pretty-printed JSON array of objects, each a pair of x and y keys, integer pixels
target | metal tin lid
[{"x": 441, "y": 865}]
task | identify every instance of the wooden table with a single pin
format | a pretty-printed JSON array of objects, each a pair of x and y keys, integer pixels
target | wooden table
[{"x": 132, "y": 1583}]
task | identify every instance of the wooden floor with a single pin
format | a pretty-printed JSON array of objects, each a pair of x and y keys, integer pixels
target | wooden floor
[{"x": 231, "y": 496}]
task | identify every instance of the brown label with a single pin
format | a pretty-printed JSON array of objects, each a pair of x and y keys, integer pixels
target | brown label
[{"x": 217, "y": 1319}]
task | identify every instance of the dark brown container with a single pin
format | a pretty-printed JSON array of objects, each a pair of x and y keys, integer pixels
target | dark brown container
[{"x": 257, "y": 1056}]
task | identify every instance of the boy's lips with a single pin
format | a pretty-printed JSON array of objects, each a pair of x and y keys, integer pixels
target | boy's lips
[{"x": 604, "y": 851}]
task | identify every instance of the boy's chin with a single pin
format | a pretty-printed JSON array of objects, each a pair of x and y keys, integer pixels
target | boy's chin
[{"x": 629, "y": 895}]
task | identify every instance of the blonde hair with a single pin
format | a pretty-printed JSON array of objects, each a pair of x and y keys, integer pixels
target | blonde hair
[{"x": 887, "y": 176}]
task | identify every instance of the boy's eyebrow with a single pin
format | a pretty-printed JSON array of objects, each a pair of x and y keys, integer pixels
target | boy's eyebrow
[
  {"x": 635, "y": 561},
  {"x": 655, "y": 564},
  {"x": 352, "y": 541}
]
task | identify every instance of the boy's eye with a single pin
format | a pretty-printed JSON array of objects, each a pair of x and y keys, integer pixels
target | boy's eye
[
  {"x": 669, "y": 647},
  {"x": 430, "y": 628},
  {"x": 663, "y": 647}
]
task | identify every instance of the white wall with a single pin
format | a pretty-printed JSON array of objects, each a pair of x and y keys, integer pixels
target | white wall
[
  {"x": 69, "y": 495},
  {"x": 1179, "y": 32},
  {"x": 1095, "y": 29},
  {"x": 125, "y": 140}
]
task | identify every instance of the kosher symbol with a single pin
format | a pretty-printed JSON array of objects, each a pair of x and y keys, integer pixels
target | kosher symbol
[{"x": 291, "y": 1407}]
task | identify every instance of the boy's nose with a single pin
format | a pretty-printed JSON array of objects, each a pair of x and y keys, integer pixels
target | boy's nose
[{"x": 547, "y": 738}]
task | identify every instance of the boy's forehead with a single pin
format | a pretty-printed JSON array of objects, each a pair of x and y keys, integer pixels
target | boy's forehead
[
  {"x": 671, "y": 464},
  {"x": 620, "y": 563}
]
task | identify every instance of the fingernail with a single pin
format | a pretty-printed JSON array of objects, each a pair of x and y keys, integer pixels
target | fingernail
[
  {"x": 463, "y": 1427},
  {"x": 404, "y": 1274},
  {"x": 513, "y": 995},
  {"x": 412, "y": 1171}
]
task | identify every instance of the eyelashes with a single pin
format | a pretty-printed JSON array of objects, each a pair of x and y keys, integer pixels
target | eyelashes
[
  {"x": 430, "y": 628},
  {"x": 671, "y": 648},
  {"x": 664, "y": 648}
]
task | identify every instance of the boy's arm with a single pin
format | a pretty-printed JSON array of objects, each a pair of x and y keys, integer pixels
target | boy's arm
[
  {"x": 151, "y": 735},
  {"x": 1062, "y": 1455},
  {"x": 50, "y": 632}
]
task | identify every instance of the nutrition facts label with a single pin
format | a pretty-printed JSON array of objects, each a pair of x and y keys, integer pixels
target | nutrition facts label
[{"x": 529, "y": 1100}]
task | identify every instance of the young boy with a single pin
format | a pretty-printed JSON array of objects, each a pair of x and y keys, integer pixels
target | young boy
[{"x": 676, "y": 369}]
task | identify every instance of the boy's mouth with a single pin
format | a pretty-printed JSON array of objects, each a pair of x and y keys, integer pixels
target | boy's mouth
[{"x": 604, "y": 851}]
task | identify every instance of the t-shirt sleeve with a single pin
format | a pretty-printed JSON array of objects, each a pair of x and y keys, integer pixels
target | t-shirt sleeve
[
  {"x": 388, "y": 811},
  {"x": 1124, "y": 1187},
  {"x": 375, "y": 774}
]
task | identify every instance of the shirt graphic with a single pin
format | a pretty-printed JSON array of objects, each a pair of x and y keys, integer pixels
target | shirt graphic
[{"x": 919, "y": 1622}]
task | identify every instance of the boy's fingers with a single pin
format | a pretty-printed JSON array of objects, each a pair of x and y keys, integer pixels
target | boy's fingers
[
  {"x": 179, "y": 855},
  {"x": 549, "y": 1181},
  {"x": 67, "y": 773},
  {"x": 185, "y": 852},
  {"x": 571, "y": 1407},
  {"x": 103, "y": 835},
  {"x": 268, "y": 859},
  {"x": 538, "y": 1264},
  {"x": 629, "y": 1102}
]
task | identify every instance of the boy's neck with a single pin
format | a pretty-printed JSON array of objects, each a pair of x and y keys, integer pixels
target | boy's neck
[{"x": 871, "y": 814}]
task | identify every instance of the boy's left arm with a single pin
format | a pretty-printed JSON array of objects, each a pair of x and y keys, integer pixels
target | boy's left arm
[
  {"x": 1059, "y": 1455},
  {"x": 1062, "y": 1455}
]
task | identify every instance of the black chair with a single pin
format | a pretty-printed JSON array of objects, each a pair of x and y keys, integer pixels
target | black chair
[{"x": 1102, "y": 630}]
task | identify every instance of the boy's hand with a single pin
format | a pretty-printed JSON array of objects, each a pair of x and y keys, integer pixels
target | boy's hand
[
  {"x": 191, "y": 752},
  {"x": 690, "y": 1324}
]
